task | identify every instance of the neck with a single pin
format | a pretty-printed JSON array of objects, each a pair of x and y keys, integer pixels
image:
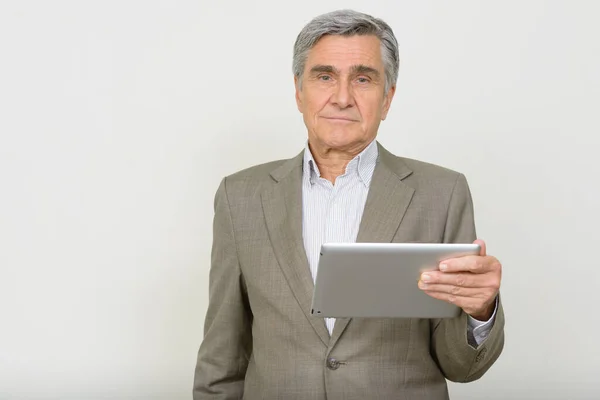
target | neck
[{"x": 332, "y": 162}]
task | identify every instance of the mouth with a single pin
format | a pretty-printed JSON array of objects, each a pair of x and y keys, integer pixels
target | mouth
[{"x": 340, "y": 119}]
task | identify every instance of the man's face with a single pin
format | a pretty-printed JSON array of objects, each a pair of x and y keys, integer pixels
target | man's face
[{"x": 342, "y": 97}]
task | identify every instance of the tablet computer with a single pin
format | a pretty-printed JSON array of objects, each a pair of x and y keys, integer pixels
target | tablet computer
[{"x": 380, "y": 279}]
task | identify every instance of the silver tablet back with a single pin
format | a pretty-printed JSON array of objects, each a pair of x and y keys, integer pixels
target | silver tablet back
[{"x": 380, "y": 279}]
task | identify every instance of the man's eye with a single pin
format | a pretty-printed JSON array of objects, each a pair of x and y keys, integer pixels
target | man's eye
[
  {"x": 325, "y": 77},
  {"x": 363, "y": 80}
]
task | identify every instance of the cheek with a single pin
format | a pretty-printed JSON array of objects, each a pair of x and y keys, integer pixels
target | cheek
[
  {"x": 315, "y": 100},
  {"x": 371, "y": 109}
]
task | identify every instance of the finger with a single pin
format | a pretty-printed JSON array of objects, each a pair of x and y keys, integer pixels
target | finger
[
  {"x": 460, "y": 301},
  {"x": 477, "y": 293},
  {"x": 483, "y": 250},
  {"x": 461, "y": 279},
  {"x": 474, "y": 264}
]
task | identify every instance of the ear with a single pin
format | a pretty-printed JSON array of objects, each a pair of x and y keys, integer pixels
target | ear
[
  {"x": 387, "y": 102},
  {"x": 298, "y": 93}
]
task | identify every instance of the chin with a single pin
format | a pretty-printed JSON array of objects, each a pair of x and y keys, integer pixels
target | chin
[{"x": 340, "y": 140}]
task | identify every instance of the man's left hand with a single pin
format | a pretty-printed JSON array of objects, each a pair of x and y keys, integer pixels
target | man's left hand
[{"x": 470, "y": 282}]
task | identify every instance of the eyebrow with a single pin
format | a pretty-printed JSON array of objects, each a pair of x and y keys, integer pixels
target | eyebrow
[
  {"x": 317, "y": 69},
  {"x": 355, "y": 69},
  {"x": 364, "y": 69}
]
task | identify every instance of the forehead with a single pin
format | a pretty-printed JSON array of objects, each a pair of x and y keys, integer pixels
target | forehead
[{"x": 343, "y": 52}]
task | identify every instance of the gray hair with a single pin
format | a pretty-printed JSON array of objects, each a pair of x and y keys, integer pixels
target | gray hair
[{"x": 348, "y": 23}]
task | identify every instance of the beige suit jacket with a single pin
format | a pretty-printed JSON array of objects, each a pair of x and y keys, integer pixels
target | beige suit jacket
[{"x": 260, "y": 340}]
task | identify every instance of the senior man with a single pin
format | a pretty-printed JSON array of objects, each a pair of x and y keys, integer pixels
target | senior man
[{"x": 270, "y": 220}]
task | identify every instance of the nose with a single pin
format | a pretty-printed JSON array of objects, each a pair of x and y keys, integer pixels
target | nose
[{"x": 342, "y": 96}]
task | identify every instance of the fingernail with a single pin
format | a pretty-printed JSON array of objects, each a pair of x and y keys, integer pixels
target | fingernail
[
  {"x": 425, "y": 278},
  {"x": 443, "y": 267}
]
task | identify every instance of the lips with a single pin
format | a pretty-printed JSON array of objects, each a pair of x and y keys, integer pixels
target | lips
[{"x": 345, "y": 119}]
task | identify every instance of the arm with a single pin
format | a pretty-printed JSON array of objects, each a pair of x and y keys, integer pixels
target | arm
[
  {"x": 459, "y": 361},
  {"x": 478, "y": 331},
  {"x": 227, "y": 345}
]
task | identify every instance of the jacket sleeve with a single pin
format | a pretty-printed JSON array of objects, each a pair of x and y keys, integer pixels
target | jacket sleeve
[
  {"x": 458, "y": 361},
  {"x": 224, "y": 353}
]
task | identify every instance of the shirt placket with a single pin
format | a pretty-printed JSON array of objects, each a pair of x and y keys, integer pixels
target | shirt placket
[{"x": 333, "y": 222}]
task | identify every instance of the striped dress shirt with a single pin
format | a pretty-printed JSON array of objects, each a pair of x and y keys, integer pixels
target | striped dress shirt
[{"x": 332, "y": 213}]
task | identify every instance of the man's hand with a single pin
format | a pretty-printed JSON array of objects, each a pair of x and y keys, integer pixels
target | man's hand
[{"x": 470, "y": 282}]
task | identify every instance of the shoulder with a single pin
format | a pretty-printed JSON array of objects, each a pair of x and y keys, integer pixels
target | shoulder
[
  {"x": 425, "y": 170},
  {"x": 420, "y": 173},
  {"x": 437, "y": 189},
  {"x": 250, "y": 181},
  {"x": 255, "y": 173}
]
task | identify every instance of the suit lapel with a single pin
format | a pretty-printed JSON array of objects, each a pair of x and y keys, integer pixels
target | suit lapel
[
  {"x": 386, "y": 204},
  {"x": 282, "y": 206}
]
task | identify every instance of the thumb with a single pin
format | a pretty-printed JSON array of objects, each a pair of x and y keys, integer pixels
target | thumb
[{"x": 483, "y": 251}]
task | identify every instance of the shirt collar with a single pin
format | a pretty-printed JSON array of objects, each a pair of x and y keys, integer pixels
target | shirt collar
[{"x": 363, "y": 164}]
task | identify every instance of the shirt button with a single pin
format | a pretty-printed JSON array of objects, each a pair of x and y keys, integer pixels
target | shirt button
[{"x": 333, "y": 364}]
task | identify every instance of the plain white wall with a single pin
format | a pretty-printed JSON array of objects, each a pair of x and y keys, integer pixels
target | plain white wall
[{"x": 119, "y": 118}]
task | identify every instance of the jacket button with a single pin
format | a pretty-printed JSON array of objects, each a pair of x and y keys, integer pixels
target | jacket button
[{"x": 333, "y": 364}]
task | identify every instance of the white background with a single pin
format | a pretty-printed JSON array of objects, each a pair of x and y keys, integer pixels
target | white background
[{"x": 119, "y": 118}]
